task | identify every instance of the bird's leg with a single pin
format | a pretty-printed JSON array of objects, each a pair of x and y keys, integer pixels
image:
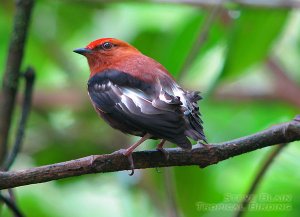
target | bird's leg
[
  {"x": 128, "y": 152},
  {"x": 160, "y": 148}
]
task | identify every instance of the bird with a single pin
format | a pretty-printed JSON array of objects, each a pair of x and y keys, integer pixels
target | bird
[{"x": 136, "y": 95}]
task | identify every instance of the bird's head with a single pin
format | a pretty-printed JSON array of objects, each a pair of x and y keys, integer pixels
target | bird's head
[{"x": 104, "y": 51}]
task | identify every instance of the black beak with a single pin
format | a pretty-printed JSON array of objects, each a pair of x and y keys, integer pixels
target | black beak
[{"x": 82, "y": 51}]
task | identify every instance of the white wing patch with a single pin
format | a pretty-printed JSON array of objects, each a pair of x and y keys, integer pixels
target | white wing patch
[{"x": 131, "y": 96}]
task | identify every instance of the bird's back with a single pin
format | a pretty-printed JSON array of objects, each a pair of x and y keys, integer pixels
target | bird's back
[{"x": 137, "y": 95}]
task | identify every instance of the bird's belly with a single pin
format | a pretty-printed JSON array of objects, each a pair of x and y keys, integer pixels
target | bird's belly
[{"x": 120, "y": 124}]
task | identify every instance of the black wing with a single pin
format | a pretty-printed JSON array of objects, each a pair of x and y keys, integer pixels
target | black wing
[
  {"x": 189, "y": 107},
  {"x": 135, "y": 105}
]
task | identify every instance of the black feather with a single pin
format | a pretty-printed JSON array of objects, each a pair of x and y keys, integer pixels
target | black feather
[{"x": 134, "y": 106}]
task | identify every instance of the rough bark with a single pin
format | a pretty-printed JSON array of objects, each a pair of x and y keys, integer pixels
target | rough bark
[{"x": 202, "y": 156}]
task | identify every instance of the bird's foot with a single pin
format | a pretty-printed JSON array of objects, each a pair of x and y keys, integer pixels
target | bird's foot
[
  {"x": 164, "y": 152},
  {"x": 127, "y": 153}
]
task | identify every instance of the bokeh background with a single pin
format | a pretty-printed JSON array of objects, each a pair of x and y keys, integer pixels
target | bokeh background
[{"x": 247, "y": 69}]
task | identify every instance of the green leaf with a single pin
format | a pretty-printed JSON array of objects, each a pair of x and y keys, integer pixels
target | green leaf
[
  {"x": 252, "y": 37},
  {"x": 171, "y": 48}
]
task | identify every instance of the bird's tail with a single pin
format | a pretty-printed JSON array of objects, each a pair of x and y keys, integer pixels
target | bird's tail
[
  {"x": 182, "y": 141},
  {"x": 195, "y": 123}
]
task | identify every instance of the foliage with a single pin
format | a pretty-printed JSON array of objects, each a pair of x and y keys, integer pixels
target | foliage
[{"x": 64, "y": 126}]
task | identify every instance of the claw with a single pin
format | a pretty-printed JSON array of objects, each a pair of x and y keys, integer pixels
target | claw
[
  {"x": 164, "y": 152},
  {"x": 128, "y": 152},
  {"x": 129, "y": 157}
]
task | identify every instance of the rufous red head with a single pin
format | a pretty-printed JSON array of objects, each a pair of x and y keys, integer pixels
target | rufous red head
[
  {"x": 102, "y": 52},
  {"x": 111, "y": 53}
]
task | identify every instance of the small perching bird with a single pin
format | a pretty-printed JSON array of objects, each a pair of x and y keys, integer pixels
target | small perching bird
[{"x": 136, "y": 95}]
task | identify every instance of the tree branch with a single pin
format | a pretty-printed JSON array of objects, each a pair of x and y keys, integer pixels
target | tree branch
[
  {"x": 285, "y": 88},
  {"x": 12, "y": 206},
  {"x": 247, "y": 3},
  {"x": 202, "y": 36},
  {"x": 203, "y": 156},
  {"x": 263, "y": 170},
  {"x": 11, "y": 74},
  {"x": 207, "y": 3},
  {"x": 29, "y": 76}
]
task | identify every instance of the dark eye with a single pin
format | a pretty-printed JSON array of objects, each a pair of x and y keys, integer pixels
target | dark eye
[{"x": 107, "y": 45}]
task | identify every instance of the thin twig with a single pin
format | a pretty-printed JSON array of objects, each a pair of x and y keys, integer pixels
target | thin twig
[
  {"x": 12, "y": 198},
  {"x": 225, "y": 3},
  {"x": 261, "y": 173},
  {"x": 11, "y": 72},
  {"x": 29, "y": 76},
  {"x": 288, "y": 4},
  {"x": 202, "y": 36},
  {"x": 285, "y": 88},
  {"x": 11, "y": 206},
  {"x": 203, "y": 156}
]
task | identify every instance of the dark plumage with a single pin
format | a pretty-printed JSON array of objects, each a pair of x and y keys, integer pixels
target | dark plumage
[{"x": 136, "y": 95}]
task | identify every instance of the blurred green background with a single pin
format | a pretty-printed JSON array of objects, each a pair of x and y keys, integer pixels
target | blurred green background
[{"x": 242, "y": 92}]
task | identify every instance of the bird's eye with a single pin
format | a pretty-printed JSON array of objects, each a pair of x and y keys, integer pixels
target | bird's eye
[{"x": 107, "y": 45}]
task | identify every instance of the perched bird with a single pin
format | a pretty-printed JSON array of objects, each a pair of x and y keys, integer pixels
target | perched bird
[{"x": 136, "y": 95}]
